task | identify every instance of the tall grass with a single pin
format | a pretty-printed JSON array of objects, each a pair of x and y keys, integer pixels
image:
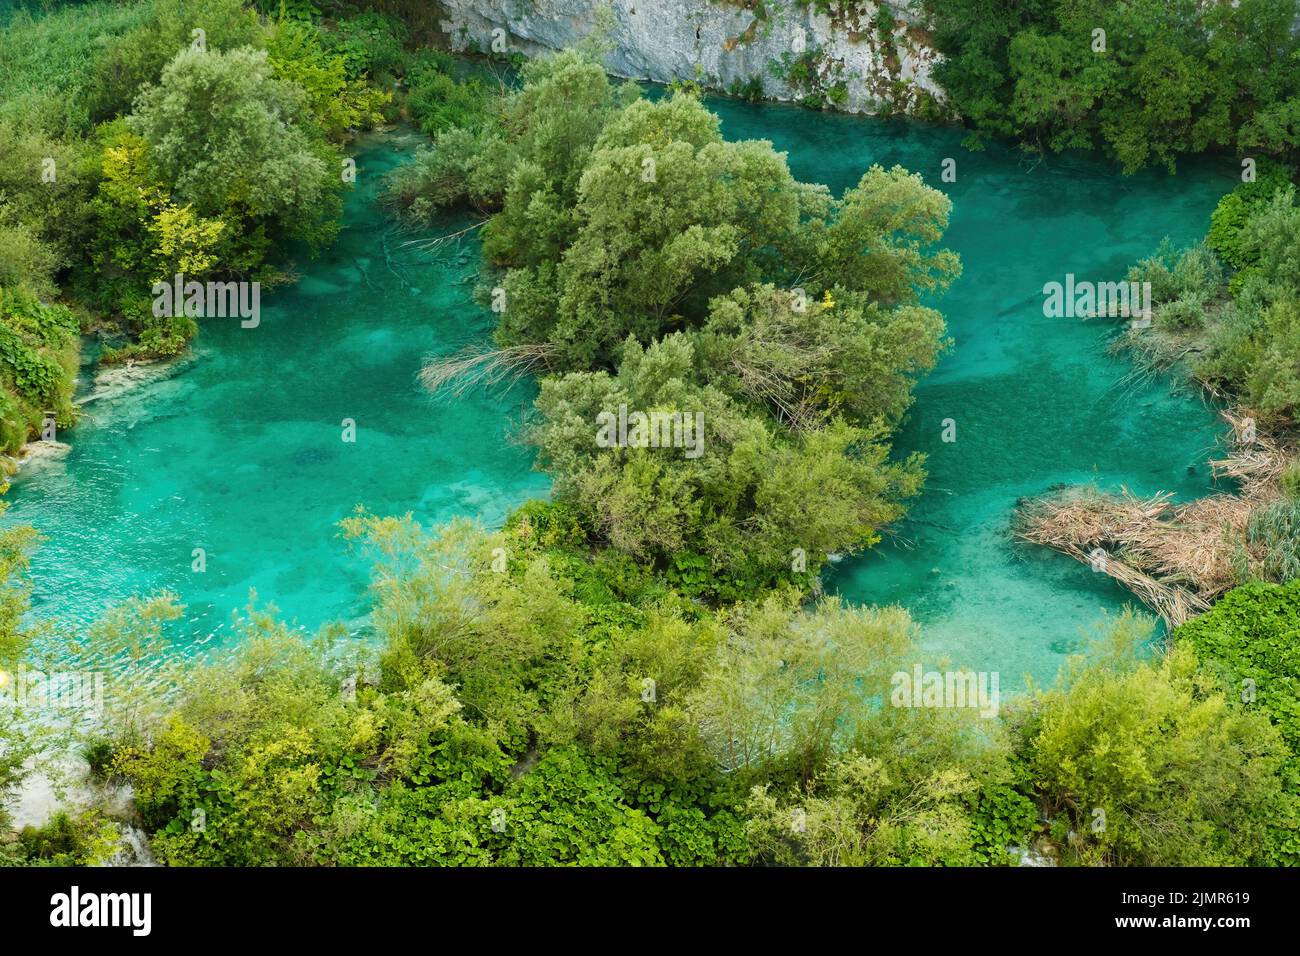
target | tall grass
[
  {"x": 1274, "y": 535},
  {"x": 48, "y": 62}
]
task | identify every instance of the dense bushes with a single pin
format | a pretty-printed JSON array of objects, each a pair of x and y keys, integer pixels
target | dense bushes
[
  {"x": 1253, "y": 632},
  {"x": 515, "y": 715},
  {"x": 1158, "y": 762},
  {"x": 653, "y": 266},
  {"x": 1230, "y": 308},
  {"x": 1252, "y": 637},
  {"x": 1167, "y": 79},
  {"x": 38, "y": 359},
  {"x": 125, "y": 172}
]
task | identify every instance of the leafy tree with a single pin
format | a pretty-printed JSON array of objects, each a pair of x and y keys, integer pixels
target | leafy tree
[
  {"x": 228, "y": 137},
  {"x": 1172, "y": 78},
  {"x": 805, "y": 361},
  {"x": 1152, "y": 762},
  {"x": 136, "y": 59},
  {"x": 746, "y": 498},
  {"x": 338, "y": 102}
]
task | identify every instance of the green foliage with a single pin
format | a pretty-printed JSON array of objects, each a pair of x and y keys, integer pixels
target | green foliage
[
  {"x": 641, "y": 253},
  {"x": 902, "y": 796},
  {"x": 669, "y": 215},
  {"x": 63, "y": 840},
  {"x": 750, "y": 90},
  {"x": 38, "y": 360},
  {"x": 797, "y": 688},
  {"x": 746, "y": 501},
  {"x": 1239, "y": 207},
  {"x": 17, "y": 736},
  {"x": 510, "y": 724},
  {"x": 1001, "y": 817},
  {"x": 1256, "y": 352},
  {"x": 266, "y": 760},
  {"x": 44, "y": 187},
  {"x": 437, "y": 101},
  {"x": 120, "y": 169},
  {"x": 1251, "y": 637},
  {"x": 340, "y": 103},
  {"x": 1290, "y": 480},
  {"x": 545, "y": 131},
  {"x": 135, "y": 60},
  {"x": 226, "y": 135},
  {"x": 1252, "y": 632},
  {"x": 1154, "y": 763},
  {"x": 287, "y": 738},
  {"x": 51, "y": 66},
  {"x": 569, "y": 810},
  {"x": 1274, "y": 532},
  {"x": 1180, "y": 275},
  {"x": 1174, "y": 77},
  {"x": 1243, "y": 337},
  {"x": 370, "y": 44}
]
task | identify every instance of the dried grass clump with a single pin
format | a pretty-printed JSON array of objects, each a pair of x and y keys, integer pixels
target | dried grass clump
[
  {"x": 1176, "y": 558},
  {"x": 482, "y": 366}
]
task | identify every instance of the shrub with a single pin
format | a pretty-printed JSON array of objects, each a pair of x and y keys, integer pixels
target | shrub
[
  {"x": 1154, "y": 762},
  {"x": 1274, "y": 532},
  {"x": 38, "y": 361},
  {"x": 1252, "y": 636},
  {"x": 1290, "y": 480}
]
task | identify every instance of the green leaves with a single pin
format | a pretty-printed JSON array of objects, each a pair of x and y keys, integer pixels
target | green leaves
[
  {"x": 38, "y": 359},
  {"x": 1154, "y": 763},
  {"x": 223, "y": 131},
  {"x": 1253, "y": 633},
  {"x": 1173, "y": 78}
]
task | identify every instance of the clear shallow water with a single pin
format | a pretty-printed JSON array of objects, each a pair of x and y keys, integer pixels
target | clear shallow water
[
  {"x": 242, "y": 453},
  {"x": 1036, "y": 401}
]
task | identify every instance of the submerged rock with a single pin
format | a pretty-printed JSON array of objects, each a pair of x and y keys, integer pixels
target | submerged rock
[
  {"x": 114, "y": 381},
  {"x": 39, "y": 453}
]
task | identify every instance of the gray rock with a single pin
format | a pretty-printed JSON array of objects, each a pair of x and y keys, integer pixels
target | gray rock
[{"x": 719, "y": 44}]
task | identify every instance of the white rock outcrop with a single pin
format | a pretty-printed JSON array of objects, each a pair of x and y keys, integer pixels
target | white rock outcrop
[{"x": 861, "y": 57}]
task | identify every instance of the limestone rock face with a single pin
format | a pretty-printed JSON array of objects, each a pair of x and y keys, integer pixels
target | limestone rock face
[{"x": 865, "y": 57}]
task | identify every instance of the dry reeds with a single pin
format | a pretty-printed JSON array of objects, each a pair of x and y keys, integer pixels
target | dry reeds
[
  {"x": 1176, "y": 558},
  {"x": 479, "y": 366}
]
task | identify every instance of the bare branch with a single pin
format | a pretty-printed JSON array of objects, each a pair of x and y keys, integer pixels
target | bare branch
[{"x": 479, "y": 366}]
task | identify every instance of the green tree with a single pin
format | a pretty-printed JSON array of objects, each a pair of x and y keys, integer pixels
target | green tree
[
  {"x": 234, "y": 141},
  {"x": 1152, "y": 762}
]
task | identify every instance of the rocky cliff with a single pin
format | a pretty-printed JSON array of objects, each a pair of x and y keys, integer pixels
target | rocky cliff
[{"x": 860, "y": 57}]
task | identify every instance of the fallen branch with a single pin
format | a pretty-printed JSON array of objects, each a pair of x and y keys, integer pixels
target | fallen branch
[{"x": 479, "y": 366}]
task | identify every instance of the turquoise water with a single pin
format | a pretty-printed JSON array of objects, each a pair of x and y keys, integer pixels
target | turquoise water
[
  {"x": 1036, "y": 401},
  {"x": 241, "y": 453}
]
